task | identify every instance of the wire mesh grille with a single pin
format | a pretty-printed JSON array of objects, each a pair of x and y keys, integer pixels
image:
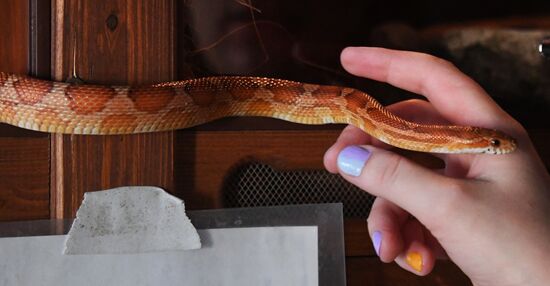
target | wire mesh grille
[{"x": 257, "y": 184}]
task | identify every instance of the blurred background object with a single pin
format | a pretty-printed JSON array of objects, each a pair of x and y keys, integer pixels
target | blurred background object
[{"x": 493, "y": 43}]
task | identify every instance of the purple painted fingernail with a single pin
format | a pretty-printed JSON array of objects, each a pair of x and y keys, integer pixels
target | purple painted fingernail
[
  {"x": 351, "y": 160},
  {"x": 377, "y": 241}
]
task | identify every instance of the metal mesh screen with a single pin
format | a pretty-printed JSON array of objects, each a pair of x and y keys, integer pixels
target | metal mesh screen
[{"x": 256, "y": 184}]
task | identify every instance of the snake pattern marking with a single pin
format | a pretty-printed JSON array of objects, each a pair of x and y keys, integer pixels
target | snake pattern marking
[{"x": 59, "y": 107}]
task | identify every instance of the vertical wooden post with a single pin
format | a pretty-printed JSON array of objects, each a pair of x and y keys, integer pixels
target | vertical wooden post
[{"x": 116, "y": 42}]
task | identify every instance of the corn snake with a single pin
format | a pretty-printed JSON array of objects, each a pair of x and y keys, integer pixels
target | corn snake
[{"x": 59, "y": 107}]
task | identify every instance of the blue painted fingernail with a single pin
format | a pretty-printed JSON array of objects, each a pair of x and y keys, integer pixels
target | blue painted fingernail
[
  {"x": 377, "y": 241},
  {"x": 352, "y": 159}
]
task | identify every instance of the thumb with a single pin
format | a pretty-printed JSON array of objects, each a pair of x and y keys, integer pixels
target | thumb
[{"x": 422, "y": 192}]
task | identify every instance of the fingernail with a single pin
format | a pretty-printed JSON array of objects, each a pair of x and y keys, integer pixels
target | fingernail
[
  {"x": 414, "y": 259},
  {"x": 352, "y": 159},
  {"x": 377, "y": 241}
]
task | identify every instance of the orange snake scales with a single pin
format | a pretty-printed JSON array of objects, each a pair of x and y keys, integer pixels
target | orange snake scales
[{"x": 60, "y": 107}]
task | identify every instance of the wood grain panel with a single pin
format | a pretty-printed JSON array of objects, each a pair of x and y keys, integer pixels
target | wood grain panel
[
  {"x": 116, "y": 42},
  {"x": 24, "y": 173},
  {"x": 14, "y": 23},
  {"x": 24, "y": 164},
  {"x": 40, "y": 38}
]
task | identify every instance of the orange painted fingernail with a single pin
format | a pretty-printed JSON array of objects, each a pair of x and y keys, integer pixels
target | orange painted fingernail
[{"x": 414, "y": 259}]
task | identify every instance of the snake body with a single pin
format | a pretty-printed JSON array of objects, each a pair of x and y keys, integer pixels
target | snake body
[{"x": 59, "y": 107}]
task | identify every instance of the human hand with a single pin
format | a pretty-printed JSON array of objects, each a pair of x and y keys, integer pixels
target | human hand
[{"x": 490, "y": 214}]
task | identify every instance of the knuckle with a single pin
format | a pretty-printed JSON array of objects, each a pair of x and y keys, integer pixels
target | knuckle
[
  {"x": 455, "y": 196},
  {"x": 380, "y": 222},
  {"x": 436, "y": 60},
  {"x": 381, "y": 217},
  {"x": 455, "y": 192},
  {"x": 390, "y": 173}
]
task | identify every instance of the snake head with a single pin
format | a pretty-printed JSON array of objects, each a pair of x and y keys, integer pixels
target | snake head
[{"x": 497, "y": 142}]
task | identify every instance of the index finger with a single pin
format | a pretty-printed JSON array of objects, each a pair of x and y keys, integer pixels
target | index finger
[{"x": 456, "y": 96}]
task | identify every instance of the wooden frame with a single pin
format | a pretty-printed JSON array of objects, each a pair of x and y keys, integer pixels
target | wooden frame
[{"x": 24, "y": 164}]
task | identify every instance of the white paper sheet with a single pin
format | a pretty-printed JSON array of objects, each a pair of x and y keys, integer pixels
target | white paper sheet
[{"x": 235, "y": 256}]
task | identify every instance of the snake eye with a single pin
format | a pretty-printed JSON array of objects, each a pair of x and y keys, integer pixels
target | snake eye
[{"x": 495, "y": 142}]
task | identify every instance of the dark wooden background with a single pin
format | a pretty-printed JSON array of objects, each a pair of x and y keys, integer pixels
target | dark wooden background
[
  {"x": 24, "y": 156},
  {"x": 132, "y": 42}
]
